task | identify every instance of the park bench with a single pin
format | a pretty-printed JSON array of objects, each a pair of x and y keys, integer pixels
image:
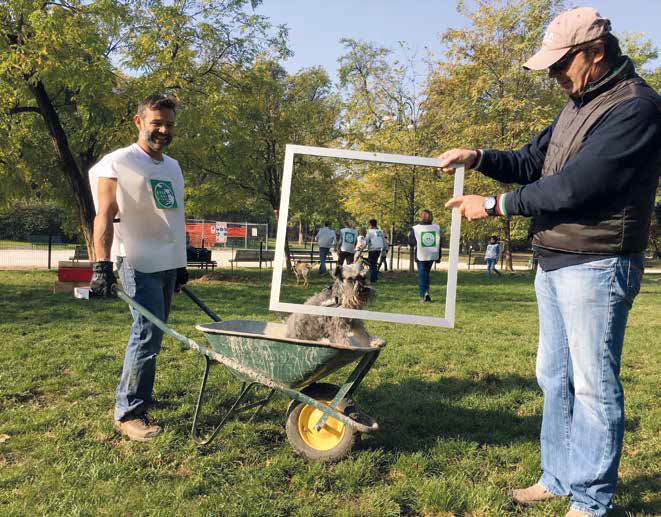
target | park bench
[
  {"x": 80, "y": 253},
  {"x": 200, "y": 257},
  {"x": 254, "y": 256},
  {"x": 310, "y": 256}
]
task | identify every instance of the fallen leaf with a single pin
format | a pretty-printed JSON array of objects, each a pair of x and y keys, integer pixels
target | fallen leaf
[{"x": 4, "y": 438}]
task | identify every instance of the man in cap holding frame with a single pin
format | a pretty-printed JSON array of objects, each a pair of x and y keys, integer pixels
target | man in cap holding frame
[{"x": 589, "y": 181}]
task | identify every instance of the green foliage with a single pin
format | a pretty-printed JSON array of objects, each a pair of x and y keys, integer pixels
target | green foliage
[{"x": 21, "y": 219}]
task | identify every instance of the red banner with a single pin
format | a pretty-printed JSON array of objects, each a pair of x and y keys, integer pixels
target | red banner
[{"x": 236, "y": 231}]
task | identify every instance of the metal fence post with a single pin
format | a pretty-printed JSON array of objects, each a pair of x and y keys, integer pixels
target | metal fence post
[{"x": 50, "y": 248}]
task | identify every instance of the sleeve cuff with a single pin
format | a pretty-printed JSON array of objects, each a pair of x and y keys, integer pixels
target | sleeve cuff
[{"x": 500, "y": 205}]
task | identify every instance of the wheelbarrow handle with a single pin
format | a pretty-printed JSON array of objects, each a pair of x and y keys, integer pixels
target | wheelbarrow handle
[
  {"x": 205, "y": 308},
  {"x": 156, "y": 321}
]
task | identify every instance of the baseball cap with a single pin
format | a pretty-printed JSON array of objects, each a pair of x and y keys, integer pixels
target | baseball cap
[{"x": 567, "y": 30}]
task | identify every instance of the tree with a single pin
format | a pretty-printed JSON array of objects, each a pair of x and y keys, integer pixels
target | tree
[
  {"x": 481, "y": 98},
  {"x": 242, "y": 137},
  {"x": 63, "y": 100},
  {"x": 383, "y": 112}
]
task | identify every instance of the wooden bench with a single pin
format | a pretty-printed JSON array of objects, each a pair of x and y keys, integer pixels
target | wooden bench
[
  {"x": 254, "y": 256},
  {"x": 310, "y": 256},
  {"x": 206, "y": 264},
  {"x": 80, "y": 253}
]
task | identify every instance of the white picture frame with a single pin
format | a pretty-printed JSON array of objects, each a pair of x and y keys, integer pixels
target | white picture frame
[{"x": 447, "y": 320}]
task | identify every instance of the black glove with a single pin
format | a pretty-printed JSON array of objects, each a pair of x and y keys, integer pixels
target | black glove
[
  {"x": 103, "y": 279},
  {"x": 182, "y": 279}
]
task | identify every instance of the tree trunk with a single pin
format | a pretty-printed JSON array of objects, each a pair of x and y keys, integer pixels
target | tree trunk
[
  {"x": 301, "y": 236},
  {"x": 411, "y": 203},
  {"x": 79, "y": 184},
  {"x": 507, "y": 244}
]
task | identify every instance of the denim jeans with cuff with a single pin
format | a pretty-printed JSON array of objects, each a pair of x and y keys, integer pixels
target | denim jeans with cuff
[
  {"x": 154, "y": 292},
  {"x": 424, "y": 268},
  {"x": 583, "y": 312}
]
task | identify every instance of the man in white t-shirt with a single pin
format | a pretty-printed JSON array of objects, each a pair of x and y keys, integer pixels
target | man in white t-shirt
[
  {"x": 139, "y": 198},
  {"x": 347, "y": 244},
  {"x": 326, "y": 239},
  {"x": 375, "y": 242}
]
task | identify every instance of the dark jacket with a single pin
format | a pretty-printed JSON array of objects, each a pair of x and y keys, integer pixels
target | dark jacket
[{"x": 599, "y": 198}]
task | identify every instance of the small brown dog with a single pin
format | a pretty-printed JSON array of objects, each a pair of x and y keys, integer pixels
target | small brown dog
[{"x": 302, "y": 270}]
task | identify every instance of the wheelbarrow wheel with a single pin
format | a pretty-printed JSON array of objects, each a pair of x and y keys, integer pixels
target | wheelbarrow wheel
[{"x": 333, "y": 441}]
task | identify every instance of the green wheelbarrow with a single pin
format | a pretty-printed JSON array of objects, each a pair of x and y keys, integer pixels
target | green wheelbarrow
[{"x": 323, "y": 423}]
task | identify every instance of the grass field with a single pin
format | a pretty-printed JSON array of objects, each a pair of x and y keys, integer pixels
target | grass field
[{"x": 459, "y": 409}]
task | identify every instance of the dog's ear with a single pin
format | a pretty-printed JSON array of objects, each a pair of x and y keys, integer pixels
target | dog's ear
[{"x": 338, "y": 272}]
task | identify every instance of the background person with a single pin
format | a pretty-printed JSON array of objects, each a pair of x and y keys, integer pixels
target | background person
[
  {"x": 425, "y": 237},
  {"x": 360, "y": 245},
  {"x": 144, "y": 188},
  {"x": 589, "y": 181},
  {"x": 491, "y": 255},
  {"x": 326, "y": 239},
  {"x": 347, "y": 245},
  {"x": 375, "y": 242}
]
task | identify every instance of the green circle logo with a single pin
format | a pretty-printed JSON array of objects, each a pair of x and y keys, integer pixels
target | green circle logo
[
  {"x": 428, "y": 239},
  {"x": 164, "y": 195}
]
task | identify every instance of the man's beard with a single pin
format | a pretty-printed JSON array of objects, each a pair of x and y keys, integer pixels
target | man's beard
[{"x": 156, "y": 140}]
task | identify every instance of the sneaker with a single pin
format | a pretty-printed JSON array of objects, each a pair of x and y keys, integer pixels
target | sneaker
[
  {"x": 427, "y": 297},
  {"x": 422, "y": 300},
  {"x": 531, "y": 495},
  {"x": 137, "y": 428}
]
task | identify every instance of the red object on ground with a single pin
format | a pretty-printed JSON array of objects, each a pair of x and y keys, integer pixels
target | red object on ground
[{"x": 74, "y": 274}]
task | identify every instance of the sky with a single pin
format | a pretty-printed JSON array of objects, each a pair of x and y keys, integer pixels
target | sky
[{"x": 316, "y": 26}]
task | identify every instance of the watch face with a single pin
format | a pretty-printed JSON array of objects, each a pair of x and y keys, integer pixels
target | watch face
[{"x": 490, "y": 203}]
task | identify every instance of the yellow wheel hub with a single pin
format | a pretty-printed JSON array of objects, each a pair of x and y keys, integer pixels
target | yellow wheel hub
[{"x": 327, "y": 437}]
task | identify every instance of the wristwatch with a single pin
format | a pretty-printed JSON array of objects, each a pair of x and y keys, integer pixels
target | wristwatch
[{"x": 490, "y": 205}]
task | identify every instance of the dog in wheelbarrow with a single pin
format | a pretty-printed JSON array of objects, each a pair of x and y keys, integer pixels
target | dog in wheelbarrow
[{"x": 349, "y": 290}]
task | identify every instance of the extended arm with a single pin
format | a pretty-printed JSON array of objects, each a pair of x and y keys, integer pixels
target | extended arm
[{"x": 103, "y": 222}]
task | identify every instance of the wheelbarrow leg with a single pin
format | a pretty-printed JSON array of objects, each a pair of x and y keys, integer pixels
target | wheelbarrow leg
[
  {"x": 262, "y": 403},
  {"x": 194, "y": 431}
]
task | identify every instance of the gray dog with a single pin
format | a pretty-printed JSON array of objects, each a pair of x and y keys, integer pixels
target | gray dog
[{"x": 349, "y": 291}]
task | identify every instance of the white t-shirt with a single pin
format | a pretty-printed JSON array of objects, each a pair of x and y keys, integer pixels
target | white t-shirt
[
  {"x": 348, "y": 238},
  {"x": 325, "y": 237},
  {"x": 151, "y": 232},
  {"x": 375, "y": 239},
  {"x": 428, "y": 241},
  {"x": 492, "y": 251}
]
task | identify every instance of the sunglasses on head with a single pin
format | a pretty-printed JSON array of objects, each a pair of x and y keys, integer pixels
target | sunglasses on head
[{"x": 564, "y": 62}]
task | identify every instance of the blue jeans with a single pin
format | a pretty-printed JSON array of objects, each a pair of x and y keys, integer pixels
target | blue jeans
[
  {"x": 323, "y": 253},
  {"x": 583, "y": 313},
  {"x": 424, "y": 267},
  {"x": 491, "y": 266},
  {"x": 154, "y": 292},
  {"x": 373, "y": 260}
]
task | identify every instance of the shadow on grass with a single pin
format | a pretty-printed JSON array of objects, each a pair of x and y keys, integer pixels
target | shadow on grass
[
  {"x": 635, "y": 492},
  {"x": 414, "y": 413}
]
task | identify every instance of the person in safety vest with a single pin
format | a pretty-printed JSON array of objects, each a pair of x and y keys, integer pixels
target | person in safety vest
[
  {"x": 326, "y": 238},
  {"x": 375, "y": 242},
  {"x": 588, "y": 181},
  {"x": 425, "y": 237},
  {"x": 347, "y": 244},
  {"x": 139, "y": 198}
]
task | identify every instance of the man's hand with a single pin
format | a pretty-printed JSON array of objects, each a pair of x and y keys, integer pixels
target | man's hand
[
  {"x": 471, "y": 207},
  {"x": 182, "y": 279},
  {"x": 467, "y": 157},
  {"x": 103, "y": 279}
]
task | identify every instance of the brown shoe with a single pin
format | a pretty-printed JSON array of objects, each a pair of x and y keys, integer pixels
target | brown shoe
[
  {"x": 137, "y": 428},
  {"x": 531, "y": 495}
]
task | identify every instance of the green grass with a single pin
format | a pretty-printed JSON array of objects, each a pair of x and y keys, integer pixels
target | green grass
[{"x": 460, "y": 411}]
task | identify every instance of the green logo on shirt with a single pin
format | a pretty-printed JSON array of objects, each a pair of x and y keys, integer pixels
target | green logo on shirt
[
  {"x": 163, "y": 194},
  {"x": 428, "y": 239},
  {"x": 350, "y": 238}
]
